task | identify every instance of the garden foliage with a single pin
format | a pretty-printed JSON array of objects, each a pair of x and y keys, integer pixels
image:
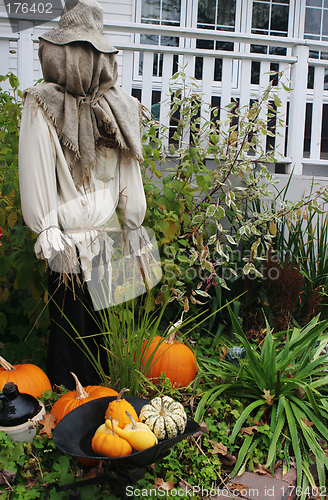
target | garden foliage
[
  {"x": 23, "y": 279},
  {"x": 284, "y": 382},
  {"x": 202, "y": 191}
]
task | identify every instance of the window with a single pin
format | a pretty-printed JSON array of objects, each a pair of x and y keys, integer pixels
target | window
[
  {"x": 214, "y": 15},
  {"x": 163, "y": 13},
  {"x": 316, "y": 20},
  {"x": 270, "y": 17}
]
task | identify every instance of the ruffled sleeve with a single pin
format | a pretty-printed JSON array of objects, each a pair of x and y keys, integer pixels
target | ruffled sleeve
[
  {"x": 132, "y": 208},
  {"x": 38, "y": 184}
]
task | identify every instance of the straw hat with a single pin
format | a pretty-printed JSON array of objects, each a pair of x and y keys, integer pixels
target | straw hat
[{"x": 81, "y": 21}]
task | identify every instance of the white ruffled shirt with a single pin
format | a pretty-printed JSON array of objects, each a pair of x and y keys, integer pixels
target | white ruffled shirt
[{"x": 62, "y": 214}]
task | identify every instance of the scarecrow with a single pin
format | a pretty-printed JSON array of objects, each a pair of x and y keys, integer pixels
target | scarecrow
[{"x": 79, "y": 153}]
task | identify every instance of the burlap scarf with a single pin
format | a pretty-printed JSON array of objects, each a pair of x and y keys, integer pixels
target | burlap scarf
[{"x": 81, "y": 99}]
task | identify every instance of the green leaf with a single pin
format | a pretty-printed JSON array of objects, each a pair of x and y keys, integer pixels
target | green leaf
[
  {"x": 9, "y": 157},
  {"x": 242, "y": 453},
  {"x": 295, "y": 440},
  {"x": 210, "y": 211},
  {"x": 183, "y": 258},
  {"x": 156, "y": 155},
  {"x": 273, "y": 446},
  {"x": 244, "y": 415},
  {"x": 169, "y": 194},
  {"x": 202, "y": 293},
  {"x": 4, "y": 266},
  {"x": 177, "y": 185},
  {"x": 257, "y": 372},
  {"x": 147, "y": 149},
  {"x": 7, "y": 188},
  {"x": 203, "y": 181},
  {"x": 207, "y": 399},
  {"x": 320, "y": 426},
  {"x": 277, "y": 101}
]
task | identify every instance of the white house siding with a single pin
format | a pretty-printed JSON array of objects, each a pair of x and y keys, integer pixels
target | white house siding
[
  {"x": 123, "y": 27},
  {"x": 122, "y": 12}
]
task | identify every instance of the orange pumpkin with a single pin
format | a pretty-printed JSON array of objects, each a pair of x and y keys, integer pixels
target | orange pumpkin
[
  {"x": 110, "y": 445},
  {"x": 30, "y": 379},
  {"x": 118, "y": 408},
  {"x": 173, "y": 358},
  {"x": 81, "y": 395}
]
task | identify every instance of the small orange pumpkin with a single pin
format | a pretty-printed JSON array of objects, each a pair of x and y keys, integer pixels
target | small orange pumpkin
[
  {"x": 30, "y": 379},
  {"x": 81, "y": 395},
  {"x": 110, "y": 445},
  {"x": 117, "y": 409},
  {"x": 173, "y": 358}
]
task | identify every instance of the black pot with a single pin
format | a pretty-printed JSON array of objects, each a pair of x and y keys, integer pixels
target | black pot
[
  {"x": 16, "y": 408},
  {"x": 74, "y": 433}
]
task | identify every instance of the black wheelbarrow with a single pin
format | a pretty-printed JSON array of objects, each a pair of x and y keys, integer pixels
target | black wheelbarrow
[{"x": 73, "y": 436}]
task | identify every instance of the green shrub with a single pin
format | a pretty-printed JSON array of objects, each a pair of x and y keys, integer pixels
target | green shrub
[
  {"x": 210, "y": 229},
  {"x": 23, "y": 278}
]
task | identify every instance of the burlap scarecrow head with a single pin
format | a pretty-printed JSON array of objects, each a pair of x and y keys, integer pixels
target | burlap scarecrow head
[
  {"x": 81, "y": 21},
  {"x": 79, "y": 93}
]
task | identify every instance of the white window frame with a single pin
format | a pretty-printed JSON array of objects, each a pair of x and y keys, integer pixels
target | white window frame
[
  {"x": 183, "y": 20},
  {"x": 238, "y": 25}
]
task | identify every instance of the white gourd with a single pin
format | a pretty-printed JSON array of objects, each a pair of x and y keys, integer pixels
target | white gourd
[{"x": 164, "y": 416}]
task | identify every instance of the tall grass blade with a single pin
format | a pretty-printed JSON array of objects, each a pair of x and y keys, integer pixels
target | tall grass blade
[
  {"x": 295, "y": 441},
  {"x": 248, "y": 410}
]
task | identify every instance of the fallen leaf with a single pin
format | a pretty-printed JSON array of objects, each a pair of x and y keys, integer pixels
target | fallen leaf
[
  {"x": 91, "y": 473},
  {"x": 261, "y": 469},
  {"x": 49, "y": 423},
  {"x": 224, "y": 352},
  {"x": 159, "y": 482},
  {"x": 238, "y": 486},
  {"x": 95, "y": 471},
  {"x": 218, "y": 448},
  {"x": 268, "y": 397},
  {"x": 248, "y": 430},
  {"x": 226, "y": 458},
  {"x": 30, "y": 483},
  {"x": 307, "y": 422},
  {"x": 204, "y": 428},
  {"x": 278, "y": 464}
]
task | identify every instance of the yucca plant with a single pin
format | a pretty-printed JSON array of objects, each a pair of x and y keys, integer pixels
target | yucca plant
[{"x": 283, "y": 380}]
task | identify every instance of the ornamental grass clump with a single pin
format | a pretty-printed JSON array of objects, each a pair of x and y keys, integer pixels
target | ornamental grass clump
[
  {"x": 284, "y": 383},
  {"x": 124, "y": 351}
]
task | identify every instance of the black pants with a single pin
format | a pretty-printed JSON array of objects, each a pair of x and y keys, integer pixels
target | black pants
[{"x": 64, "y": 354}]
